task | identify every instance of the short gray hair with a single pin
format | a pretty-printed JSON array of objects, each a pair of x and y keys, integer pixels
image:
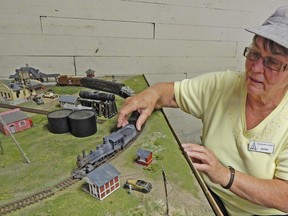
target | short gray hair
[{"x": 274, "y": 47}]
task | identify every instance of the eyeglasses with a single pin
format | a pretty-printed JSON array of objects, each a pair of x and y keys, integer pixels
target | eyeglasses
[{"x": 268, "y": 61}]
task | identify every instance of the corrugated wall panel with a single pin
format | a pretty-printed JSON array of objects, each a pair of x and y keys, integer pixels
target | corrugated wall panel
[
  {"x": 49, "y": 65},
  {"x": 95, "y": 29},
  {"x": 162, "y": 68},
  {"x": 19, "y": 24},
  {"x": 136, "y": 11},
  {"x": 92, "y": 27},
  {"x": 48, "y": 45}
]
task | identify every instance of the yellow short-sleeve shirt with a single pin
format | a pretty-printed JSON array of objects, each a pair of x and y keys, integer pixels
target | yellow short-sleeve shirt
[{"x": 218, "y": 99}]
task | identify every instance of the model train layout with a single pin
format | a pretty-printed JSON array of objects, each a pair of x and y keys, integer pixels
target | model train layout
[
  {"x": 112, "y": 145},
  {"x": 63, "y": 160}
]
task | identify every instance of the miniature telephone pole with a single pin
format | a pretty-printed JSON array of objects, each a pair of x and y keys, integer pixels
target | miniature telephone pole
[
  {"x": 185, "y": 75},
  {"x": 1, "y": 148},
  {"x": 165, "y": 186},
  {"x": 17, "y": 144}
]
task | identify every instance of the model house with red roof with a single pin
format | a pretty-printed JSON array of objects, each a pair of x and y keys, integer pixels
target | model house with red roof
[{"x": 15, "y": 121}]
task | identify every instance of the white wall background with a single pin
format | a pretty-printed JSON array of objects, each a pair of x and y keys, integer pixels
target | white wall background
[{"x": 163, "y": 39}]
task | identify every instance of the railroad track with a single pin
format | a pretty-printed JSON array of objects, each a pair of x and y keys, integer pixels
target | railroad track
[
  {"x": 25, "y": 109},
  {"x": 36, "y": 197}
]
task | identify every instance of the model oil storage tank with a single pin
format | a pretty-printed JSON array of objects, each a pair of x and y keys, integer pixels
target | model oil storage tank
[
  {"x": 82, "y": 123},
  {"x": 58, "y": 121}
]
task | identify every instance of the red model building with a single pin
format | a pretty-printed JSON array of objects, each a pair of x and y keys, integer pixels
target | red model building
[
  {"x": 15, "y": 120},
  {"x": 144, "y": 157},
  {"x": 103, "y": 181}
]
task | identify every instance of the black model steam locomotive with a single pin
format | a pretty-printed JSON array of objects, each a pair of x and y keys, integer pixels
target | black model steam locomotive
[
  {"x": 107, "y": 86},
  {"x": 96, "y": 95},
  {"x": 111, "y": 145}
]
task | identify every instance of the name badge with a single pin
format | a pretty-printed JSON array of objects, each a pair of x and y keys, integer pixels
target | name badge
[{"x": 263, "y": 147}]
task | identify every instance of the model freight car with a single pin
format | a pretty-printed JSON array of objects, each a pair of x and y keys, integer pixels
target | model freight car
[{"x": 66, "y": 80}]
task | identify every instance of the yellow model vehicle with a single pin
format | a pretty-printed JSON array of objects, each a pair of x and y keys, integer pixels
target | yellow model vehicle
[{"x": 138, "y": 185}]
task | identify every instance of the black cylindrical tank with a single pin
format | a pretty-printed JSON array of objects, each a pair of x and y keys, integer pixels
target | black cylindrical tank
[
  {"x": 58, "y": 121},
  {"x": 83, "y": 123}
]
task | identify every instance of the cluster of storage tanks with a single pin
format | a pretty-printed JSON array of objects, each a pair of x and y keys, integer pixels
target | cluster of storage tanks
[{"x": 80, "y": 123}]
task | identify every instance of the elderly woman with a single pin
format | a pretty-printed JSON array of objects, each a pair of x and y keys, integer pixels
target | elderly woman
[{"x": 244, "y": 156}]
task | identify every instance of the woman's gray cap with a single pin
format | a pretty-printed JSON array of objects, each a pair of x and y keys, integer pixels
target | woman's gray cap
[{"x": 275, "y": 27}]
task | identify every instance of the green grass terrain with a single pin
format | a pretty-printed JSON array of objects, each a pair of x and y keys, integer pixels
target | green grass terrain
[{"x": 53, "y": 158}]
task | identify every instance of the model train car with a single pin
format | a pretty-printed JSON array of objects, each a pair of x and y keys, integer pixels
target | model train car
[
  {"x": 68, "y": 80},
  {"x": 111, "y": 144}
]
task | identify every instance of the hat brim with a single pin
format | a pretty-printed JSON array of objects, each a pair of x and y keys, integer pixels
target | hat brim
[{"x": 274, "y": 33}]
